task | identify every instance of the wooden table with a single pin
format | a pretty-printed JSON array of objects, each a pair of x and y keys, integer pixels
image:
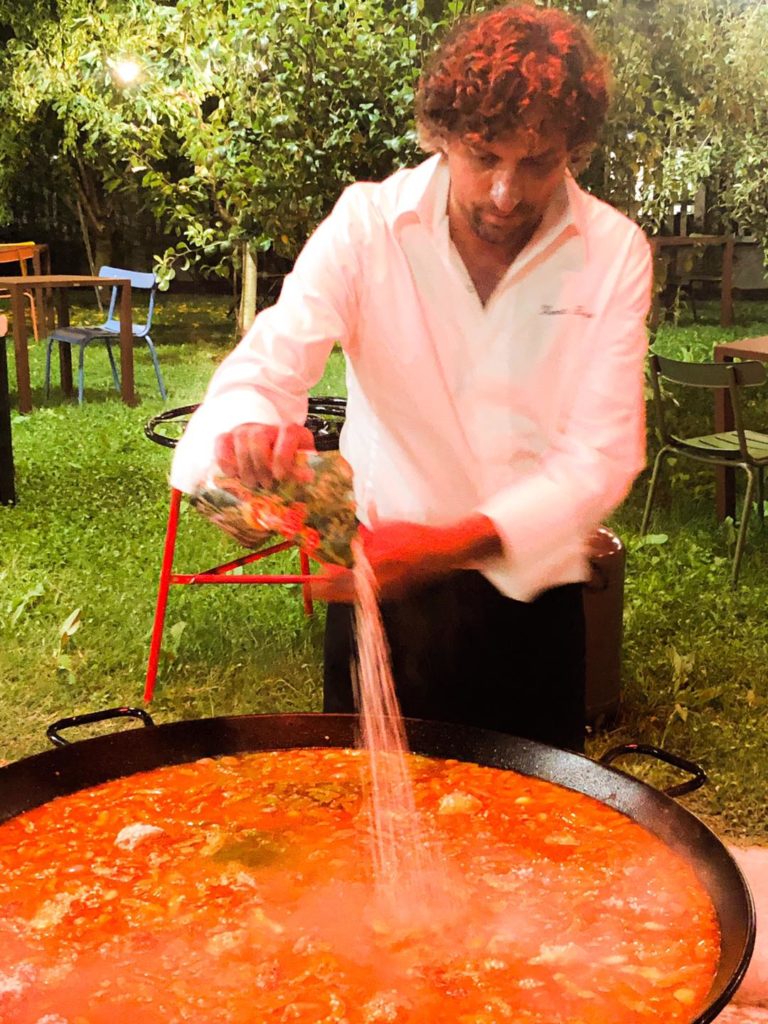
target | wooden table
[
  {"x": 59, "y": 284},
  {"x": 659, "y": 242},
  {"x": 7, "y": 484},
  {"x": 725, "y": 478}
]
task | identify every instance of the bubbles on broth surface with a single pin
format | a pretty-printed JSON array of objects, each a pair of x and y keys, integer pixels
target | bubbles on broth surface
[{"x": 259, "y": 895}]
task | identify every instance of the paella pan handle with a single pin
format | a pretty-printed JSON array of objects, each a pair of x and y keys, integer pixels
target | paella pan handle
[
  {"x": 699, "y": 776},
  {"x": 326, "y": 414},
  {"x": 53, "y": 730},
  {"x": 176, "y": 417}
]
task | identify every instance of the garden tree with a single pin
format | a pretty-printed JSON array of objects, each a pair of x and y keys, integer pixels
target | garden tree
[
  {"x": 245, "y": 122},
  {"x": 742, "y": 95},
  {"x": 313, "y": 95},
  {"x": 248, "y": 117},
  {"x": 62, "y": 115},
  {"x": 283, "y": 102},
  {"x": 690, "y": 106}
]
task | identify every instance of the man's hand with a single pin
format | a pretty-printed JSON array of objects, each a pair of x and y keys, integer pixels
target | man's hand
[
  {"x": 405, "y": 556},
  {"x": 257, "y": 454}
]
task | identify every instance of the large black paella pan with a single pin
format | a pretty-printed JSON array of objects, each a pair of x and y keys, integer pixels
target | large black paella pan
[{"x": 39, "y": 779}]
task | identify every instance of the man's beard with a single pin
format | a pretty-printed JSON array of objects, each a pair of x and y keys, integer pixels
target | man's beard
[{"x": 511, "y": 231}]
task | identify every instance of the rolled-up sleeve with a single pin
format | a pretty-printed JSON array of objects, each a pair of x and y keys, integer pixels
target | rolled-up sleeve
[
  {"x": 266, "y": 379},
  {"x": 592, "y": 460}
]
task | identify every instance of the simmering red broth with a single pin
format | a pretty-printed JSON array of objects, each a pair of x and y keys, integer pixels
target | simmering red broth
[{"x": 239, "y": 889}]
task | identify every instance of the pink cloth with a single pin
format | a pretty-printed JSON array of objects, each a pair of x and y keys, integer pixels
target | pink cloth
[
  {"x": 753, "y": 992},
  {"x": 736, "y": 1014}
]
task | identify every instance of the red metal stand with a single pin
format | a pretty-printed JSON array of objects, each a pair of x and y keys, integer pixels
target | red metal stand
[{"x": 217, "y": 574}]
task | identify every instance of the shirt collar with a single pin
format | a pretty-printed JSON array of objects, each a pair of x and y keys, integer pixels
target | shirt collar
[
  {"x": 423, "y": 192},
  {"x": 577, "y": 203}
]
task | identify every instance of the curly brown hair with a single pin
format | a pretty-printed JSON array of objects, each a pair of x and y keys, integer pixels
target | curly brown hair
[{"x": 518, "y": 66}]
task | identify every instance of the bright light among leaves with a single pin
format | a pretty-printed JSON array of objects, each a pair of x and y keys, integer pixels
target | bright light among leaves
[{"x": 126, "y": 71}]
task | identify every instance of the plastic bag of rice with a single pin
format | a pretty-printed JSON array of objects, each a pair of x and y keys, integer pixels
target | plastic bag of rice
[{"x": 314, "y": 508}]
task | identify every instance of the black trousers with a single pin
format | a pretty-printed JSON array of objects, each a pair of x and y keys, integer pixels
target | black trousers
[{"x": 463, "y": 652}]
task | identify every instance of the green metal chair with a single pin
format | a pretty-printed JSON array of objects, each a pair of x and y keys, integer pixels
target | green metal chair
[{"x": 739, "y": 447}]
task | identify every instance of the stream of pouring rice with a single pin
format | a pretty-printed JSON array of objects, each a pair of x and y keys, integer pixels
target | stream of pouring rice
[{"x": 410, "y": 876}]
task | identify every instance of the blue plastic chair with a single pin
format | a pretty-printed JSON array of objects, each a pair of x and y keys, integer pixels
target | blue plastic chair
[{"x": 84, "y": 336}]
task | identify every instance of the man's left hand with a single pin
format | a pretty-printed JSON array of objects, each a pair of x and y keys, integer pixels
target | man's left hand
[{"x": 406, "y": 556}]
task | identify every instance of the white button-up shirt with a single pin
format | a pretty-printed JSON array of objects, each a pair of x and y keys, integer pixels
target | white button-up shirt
[{"x": 529, "y": 409}]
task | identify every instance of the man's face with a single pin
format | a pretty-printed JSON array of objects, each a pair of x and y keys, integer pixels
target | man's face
[{"x": 499, "y": 190}]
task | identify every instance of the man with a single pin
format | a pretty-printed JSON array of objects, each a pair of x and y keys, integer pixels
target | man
[{"x": 492, "y": 319}]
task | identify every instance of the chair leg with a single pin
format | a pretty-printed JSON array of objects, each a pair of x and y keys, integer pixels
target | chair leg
[
  {"x": 742, "y": 535},
  {"x": 156, "y": 364},
  {"x": 48, "y": 348},
  {"x": 113, "y": 365},
  {"x": 692, "y": 300},
  {"x": 760, "y": 495},
  {"x": 652, "y": 489},
  {"x": 306, "y": 588},
  {"x": 81, "y": 375},
  {"x": 162, "y": 594},
  {"x": 33, "y": 315}
]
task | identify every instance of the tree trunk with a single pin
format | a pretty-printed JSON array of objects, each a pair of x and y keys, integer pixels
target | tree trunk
[
  {"x": 93, "y": 266},
  {"x": 102, "y": 254},
  {"x": 248, "y": 291}
]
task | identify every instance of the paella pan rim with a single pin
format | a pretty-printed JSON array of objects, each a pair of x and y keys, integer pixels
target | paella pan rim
[{"x": 37, "y": 779}]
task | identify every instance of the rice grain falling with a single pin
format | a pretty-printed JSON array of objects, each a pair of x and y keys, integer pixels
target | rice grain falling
[{"x": 410, "y": 878}]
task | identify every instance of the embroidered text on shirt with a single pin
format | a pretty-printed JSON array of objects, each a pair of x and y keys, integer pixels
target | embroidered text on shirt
[{"x": 547, "y": 310}]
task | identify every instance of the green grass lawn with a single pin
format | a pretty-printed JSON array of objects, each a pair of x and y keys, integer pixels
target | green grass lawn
[{"x": 81, "y": 556}]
